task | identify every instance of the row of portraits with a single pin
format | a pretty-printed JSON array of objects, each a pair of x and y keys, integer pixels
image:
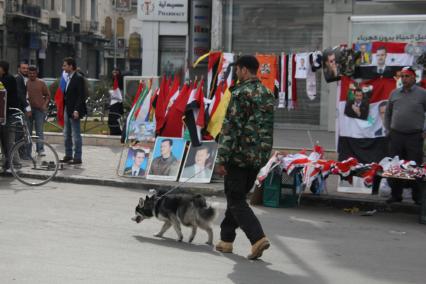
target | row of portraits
[{"x": 168, "y": 160}]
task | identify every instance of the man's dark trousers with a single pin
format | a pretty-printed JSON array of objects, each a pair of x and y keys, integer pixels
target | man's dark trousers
[
  {"x": 407, "y": 147},
  {"x": 238, "y": 182}
]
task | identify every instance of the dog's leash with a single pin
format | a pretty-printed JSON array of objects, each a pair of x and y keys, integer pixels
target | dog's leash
[{"x": 181, "y": 184}]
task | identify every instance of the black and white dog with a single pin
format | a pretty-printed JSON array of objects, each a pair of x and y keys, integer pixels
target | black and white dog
[{"x": 175, "y": 209}]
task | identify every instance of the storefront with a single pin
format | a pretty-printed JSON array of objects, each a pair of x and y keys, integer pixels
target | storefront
[{"x": 164, "y": 36}]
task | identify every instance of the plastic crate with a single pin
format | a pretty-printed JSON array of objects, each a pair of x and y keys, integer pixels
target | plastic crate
[{"x": 279, "y": 190}]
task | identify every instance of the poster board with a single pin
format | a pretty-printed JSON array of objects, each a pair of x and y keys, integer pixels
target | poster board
[
  {"x": 166, "y": 158},
  {"x": 137, "y": 161},
  {"x": 199, "y": 163}
]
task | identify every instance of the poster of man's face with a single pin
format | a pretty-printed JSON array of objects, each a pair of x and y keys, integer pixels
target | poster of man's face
[
  {"x": 137, "y": 161},
  {"x": 123, "y": 4},
  {"x": 166, "y": 158},
  {"x": 330, "y": 65},
  {"x": 199, "y": 163},
  {"x": 363, "y": 54}
]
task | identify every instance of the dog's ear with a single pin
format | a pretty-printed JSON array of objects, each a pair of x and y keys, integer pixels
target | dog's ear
[{"x": 141, "y": 202}]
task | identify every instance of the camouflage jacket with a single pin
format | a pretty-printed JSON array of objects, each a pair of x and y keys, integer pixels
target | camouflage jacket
[{"x": 247, "y": 132}]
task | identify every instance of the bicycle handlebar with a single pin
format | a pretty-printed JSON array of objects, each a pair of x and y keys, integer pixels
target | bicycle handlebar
[{"x": 17, "y": 109}]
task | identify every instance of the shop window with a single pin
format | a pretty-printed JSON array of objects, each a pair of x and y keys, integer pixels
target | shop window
[
  {"x": 108, "y": 28},
  {"x": 120, "y": 27},
  {"x": 135, "y": 46}
]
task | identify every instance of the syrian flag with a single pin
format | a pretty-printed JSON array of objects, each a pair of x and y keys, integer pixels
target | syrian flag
[
  {"x": 291, "y": 82},
  {"x": 362, "y": 135},
  {"x": 173, "y": 126},
  {"x": 392, "y": 54},
  {"x": 162, "y": 103},
  {"x": 59, "y": 99},
  {"x": 194, "y": 114}
]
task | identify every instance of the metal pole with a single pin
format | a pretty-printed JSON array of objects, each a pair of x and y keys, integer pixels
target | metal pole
[{"x": 115, "y": 34}]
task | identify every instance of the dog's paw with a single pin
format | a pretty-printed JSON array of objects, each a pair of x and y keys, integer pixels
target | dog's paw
[
  {"x": 190, "y": 240},
  {"x": 158, "y": 235},
  {"x": 209, "y": 243},
  {"x": 179, "y": 239}
]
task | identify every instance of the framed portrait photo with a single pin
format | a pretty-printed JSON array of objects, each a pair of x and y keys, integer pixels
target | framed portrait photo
[
  {"x": 166, "y": 158},
  {"x": 199, "y": 163},
  {"x": 136, "y": 164}
]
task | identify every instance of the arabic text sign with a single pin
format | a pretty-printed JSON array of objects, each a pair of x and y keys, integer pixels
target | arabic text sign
[
  {"x": 410, "y": 31},
  {"x": 163, "y": 10}
]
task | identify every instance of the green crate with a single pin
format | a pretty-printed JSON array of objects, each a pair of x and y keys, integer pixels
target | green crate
[{"x": 279, "y": 191}]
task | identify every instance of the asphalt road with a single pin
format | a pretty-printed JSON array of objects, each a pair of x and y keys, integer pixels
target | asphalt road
[{"x": 65, "y": 233}]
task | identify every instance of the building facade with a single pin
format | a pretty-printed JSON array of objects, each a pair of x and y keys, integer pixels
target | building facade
[{"x": 275, "y": 26}]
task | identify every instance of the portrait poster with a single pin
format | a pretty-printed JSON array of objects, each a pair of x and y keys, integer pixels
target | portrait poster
[
  {"x": 331, "y": 66},
  {"x": 136, "y": 164},
  {"x": 166, "y": 158},
  {"x": 301, "y": 65},
  {"x": 142, "y": 131},
  {"x": 199, "y": 163}
]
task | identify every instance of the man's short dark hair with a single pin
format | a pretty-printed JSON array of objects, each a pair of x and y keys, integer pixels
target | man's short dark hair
[
  {"x": 32, "y": 68},
  {"x": 202, "y": 147},
  {"x": 22, "y": 62},
  {"x": 248, "y": 61},
  {"x": 135, "y": 152},
  {"x": 5, "y": 66},
  {"x": 382, "y": 48},
  {"x": 168, "y": 140},
  {"x": 71, "y": 61}
]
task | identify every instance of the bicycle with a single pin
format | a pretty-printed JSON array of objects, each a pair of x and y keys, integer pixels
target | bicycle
[{"x": 28, "y": 163}]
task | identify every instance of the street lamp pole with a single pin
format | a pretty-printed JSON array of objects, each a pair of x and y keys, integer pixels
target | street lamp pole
[{"x": 115, "y": 32}]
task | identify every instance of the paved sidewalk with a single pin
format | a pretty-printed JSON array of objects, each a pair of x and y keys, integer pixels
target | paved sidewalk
[{"x": 100, "y": 167}]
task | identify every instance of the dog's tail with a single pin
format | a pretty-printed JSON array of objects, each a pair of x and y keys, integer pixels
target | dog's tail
[{"x": 208, "y": 213}]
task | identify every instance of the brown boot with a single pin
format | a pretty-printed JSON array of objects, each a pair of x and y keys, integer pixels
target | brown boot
[
  {"x": 224, "y": 247},
  {"x": 258, "y": 248}
]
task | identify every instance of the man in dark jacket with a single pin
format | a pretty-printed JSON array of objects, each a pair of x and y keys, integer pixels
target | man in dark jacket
[
  {"x": 74, "y": 110},
  {"x": 244, "y": 147},
  {"x": 7, "y": 133},
  {"x": 21, "y": 85}
]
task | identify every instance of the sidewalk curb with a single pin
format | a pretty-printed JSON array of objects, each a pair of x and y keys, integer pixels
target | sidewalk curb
[{"x": 307, "y": 199}]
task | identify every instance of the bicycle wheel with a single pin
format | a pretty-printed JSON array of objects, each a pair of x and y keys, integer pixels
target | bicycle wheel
[{"x": 31, "y": 167}]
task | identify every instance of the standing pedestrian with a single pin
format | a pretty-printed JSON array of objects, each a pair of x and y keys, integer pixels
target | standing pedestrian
[
  {"x": 244, "y": 147},
  {"x": 21, "y": 85},
  {"x": 116, "y": 103},
  {"x": 39, "y": 98},
  {"x": 7, "y": 132},
  {"x": 74, "y": 110},
  {"x": 404, "y": 120}
]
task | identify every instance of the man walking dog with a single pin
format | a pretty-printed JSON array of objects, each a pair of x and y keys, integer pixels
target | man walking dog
[{"x": 244, "y": 147}]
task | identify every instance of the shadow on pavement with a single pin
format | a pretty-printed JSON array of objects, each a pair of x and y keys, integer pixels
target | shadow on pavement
[
  {"x": 244, "y": 268},
  {"x": 172, "y": 243}
]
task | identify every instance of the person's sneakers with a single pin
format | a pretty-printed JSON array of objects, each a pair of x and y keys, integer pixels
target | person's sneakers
[
  {"x": 258, "y": 248},
  {"x": 76, "y": 162},
  {"x": 225, "y": 247},
  {"x": 41, "y": 153},
  {"x": 66, "y": 159},
  {"x": 393, "y": 200}
]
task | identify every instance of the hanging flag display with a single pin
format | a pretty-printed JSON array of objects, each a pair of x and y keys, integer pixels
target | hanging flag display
[
  {"x": 267, "y": 72},
  {"x": 302, "y": 62},
  {"x": 380, "y": 59}
]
